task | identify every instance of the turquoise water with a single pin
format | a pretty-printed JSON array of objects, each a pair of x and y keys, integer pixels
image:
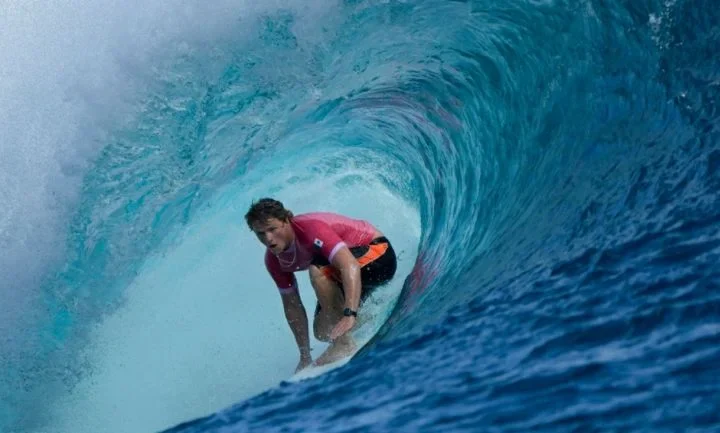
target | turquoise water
[{"x": 547, "y": 171}]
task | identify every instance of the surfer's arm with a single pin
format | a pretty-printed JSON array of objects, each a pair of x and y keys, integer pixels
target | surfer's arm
[
  {"x": 331, "y": 246},
  {"x": 350, "y": 272},
  {"x": 297, "y": 319},
  {"x": 292, "y": 304}
]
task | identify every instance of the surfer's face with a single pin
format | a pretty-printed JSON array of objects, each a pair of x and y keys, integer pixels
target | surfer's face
[{"x": 275, "y": 234}]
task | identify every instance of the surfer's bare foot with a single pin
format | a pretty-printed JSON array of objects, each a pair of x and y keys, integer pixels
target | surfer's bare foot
[{"x": 339, "y": 349}]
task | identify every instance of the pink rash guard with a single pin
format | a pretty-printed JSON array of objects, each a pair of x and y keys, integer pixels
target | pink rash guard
[{"x": 317, "y": 233}]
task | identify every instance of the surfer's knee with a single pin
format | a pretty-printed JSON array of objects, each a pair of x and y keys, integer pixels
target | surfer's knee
[
  {"x": 326, "y": 289},
  {"x": 317, "y": 276}
]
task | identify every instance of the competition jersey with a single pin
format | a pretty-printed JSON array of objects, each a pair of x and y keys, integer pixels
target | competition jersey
[{"x": 317, "y": 233}]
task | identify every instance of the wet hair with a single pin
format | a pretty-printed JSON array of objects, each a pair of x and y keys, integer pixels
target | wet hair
[{"x": 264, "y": 209}]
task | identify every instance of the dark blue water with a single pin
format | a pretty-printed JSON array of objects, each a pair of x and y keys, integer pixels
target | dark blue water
[{"x": 563, "y": 159}]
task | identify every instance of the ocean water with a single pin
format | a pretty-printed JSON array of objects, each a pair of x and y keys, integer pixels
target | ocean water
[{"x": 549, "y": 172}]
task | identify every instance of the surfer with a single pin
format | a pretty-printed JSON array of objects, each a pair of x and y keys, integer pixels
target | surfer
[{"x": 346, "y": 259}]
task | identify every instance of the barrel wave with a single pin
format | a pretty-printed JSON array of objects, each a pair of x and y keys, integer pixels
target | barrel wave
[{"x": 548, "y": 172}]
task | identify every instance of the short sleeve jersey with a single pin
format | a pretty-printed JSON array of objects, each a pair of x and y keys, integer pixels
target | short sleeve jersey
[{"x": 317, "y": 233}]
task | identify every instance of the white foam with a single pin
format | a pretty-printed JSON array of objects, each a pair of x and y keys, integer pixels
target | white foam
[{"x": 71, "y": 72}]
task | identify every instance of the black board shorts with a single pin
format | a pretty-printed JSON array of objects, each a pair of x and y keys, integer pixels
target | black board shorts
[{"x": 378, "y": 264}]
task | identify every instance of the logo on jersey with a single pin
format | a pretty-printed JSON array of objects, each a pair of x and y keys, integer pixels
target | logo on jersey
[{"x": 318, "y": 243}]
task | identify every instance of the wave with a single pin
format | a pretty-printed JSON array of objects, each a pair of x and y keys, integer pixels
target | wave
[{"x": 550, "y": 169}]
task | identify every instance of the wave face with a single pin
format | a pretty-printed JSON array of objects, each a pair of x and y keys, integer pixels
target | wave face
[{"x": 549, "y": 172}]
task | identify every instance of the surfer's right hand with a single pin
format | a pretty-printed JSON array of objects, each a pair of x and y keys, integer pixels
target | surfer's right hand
[{"x": 305, "y": 361}]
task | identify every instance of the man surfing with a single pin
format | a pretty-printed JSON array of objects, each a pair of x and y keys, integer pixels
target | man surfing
[{"x": 346, "y": 259}]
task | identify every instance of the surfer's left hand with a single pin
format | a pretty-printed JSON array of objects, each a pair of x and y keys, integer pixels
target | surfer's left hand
[{"x": 342, "y": 327}]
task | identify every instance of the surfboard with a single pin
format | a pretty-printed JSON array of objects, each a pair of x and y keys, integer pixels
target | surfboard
[{"x": 317, "y": 370}]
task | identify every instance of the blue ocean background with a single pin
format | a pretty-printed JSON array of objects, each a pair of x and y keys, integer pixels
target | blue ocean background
[{"x": 549, "y": 172}]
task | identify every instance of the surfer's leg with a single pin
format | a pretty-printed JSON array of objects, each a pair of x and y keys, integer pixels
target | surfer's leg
[
  {"x": 327, "y": 314},
  {"x": 378, "y": 264},
  {"x": 330, "y": 303},
  {"x": 340, "y": 348}
]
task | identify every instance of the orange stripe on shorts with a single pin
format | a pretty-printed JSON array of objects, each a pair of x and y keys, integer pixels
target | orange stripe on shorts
[{"x": 374, "y": 252}]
